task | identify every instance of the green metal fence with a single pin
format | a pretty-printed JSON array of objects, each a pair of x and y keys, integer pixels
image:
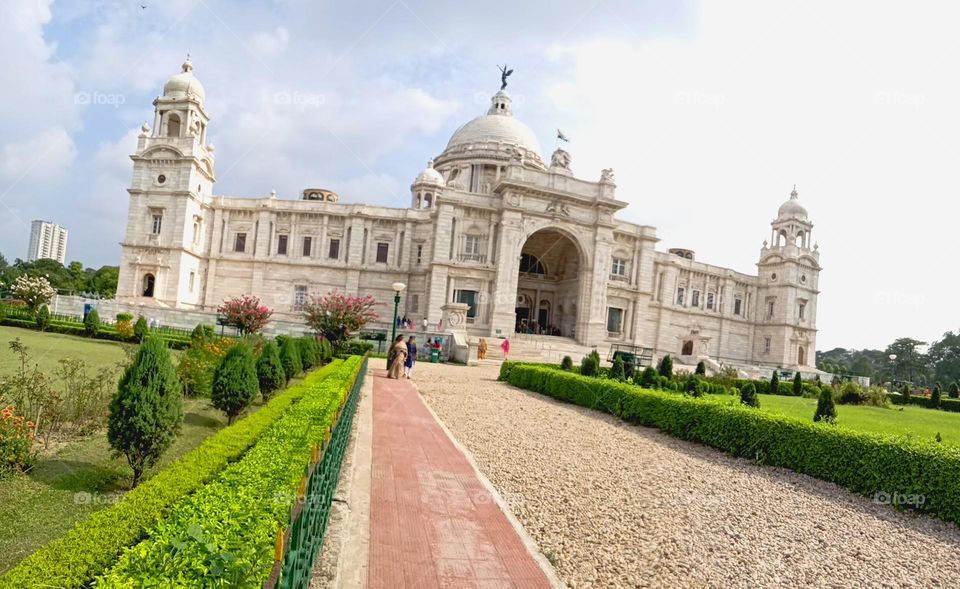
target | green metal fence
[{"x": 299, "y": 545}]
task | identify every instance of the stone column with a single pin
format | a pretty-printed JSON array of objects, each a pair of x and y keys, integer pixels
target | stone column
[{"x": 504, "y": 300}]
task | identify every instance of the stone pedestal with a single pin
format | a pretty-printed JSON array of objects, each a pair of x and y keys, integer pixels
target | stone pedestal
[{"x": 455, "y": 322}]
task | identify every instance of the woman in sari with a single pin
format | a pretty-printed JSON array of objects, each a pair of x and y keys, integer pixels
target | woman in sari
[
  {"x": 482, "y": 349},
  {"x": 399, "y": 353}
]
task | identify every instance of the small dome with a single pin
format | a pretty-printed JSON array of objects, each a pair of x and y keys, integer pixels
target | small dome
[
  {"x": 497, "y": 126},
  {"x": 792, "y": 208},
  {"x": 184, "y": 84},
  {"x": 429, "y": 176}
]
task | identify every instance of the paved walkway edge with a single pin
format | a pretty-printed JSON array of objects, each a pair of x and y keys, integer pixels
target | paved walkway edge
[
  {"x": 352, "y": 554},
  {"x": 528, "y": 542}
]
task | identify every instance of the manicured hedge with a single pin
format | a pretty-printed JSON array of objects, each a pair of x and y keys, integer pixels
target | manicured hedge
[
  {"x": 946, "y": 403},
  {"x": 240, "y": 512},
  {"x": 864, "y": 463},
  {"x": 176, "y": 341},
  {"x": 94, "y": 544}
]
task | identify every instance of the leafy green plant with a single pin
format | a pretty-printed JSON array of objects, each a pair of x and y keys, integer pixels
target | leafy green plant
[
  {"x": 91, "y": 323},
  {"x": 748, "y": 396},
  {"x": 666, "y": 366},
  {"x": 124, "y": 325},
  {"x": 775, "y": 382},
  {"x": 566, "y": 363},
  {"x": 826, "y": 410},
  {"x": 43, "y": 317},
  {"x": 235, "y": 383},
  {"x": 590, "y": 364},
  {"x": 701, "y": 369},
  {"x": 954, "y": 391},
  {"x": 309, "y": 352},
  {"x": 797, "y": 385},
  {"x": 616, "y": 371},
  {"x": 93, "y": 545},
  {"x": 290, "y": 357},
  {"x": 270, "y": 372},
  {"x": 648, "y": 378},
  {"x": 935, "y": 397},
  {"x": 147, "y": 411},
  {"x": 851, "y": 393},
  {"x": 905, "y": 395},
  {"x": 140, "y": 329}
]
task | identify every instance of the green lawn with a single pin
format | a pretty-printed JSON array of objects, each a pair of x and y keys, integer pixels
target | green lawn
[
  {"x": 61, "y": 490},
  {"x": 909, "y": 421},
  {"x": 46, "y": 350}
]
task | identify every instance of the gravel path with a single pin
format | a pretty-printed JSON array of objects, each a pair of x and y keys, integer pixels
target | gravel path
[{"x": 613, "y": 505}]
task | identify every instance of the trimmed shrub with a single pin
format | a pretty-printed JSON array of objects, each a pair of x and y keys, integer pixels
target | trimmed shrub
[
  {"x": 775, "y": 382},
  {"x": 188, "y": 548},
  {"x": 566, "y": 363},
  {"x": 648, "y": 379},
  {"x": 147, "y": 411},
  {"x": 92, "y": 546},
  {"x": 905, "y": 395},
  {"x": 202, "y": 331},
  {"x": 140, "y": 329},
  {"x": 124, "y": 325},
  {"x": 290, "y": 357},
  {"x": 326, "y": 351},
  {"x": 590, "y": 364},
  {"x": 748, "y": 395},
  {"x": 43, "y": 318},
  {"x": 954, "y": 391},
  {"x": 851, "y": 393},
  {"x": 91, "y": 323},
  {"x": 896, "y": 465},
  {"x": 797, "y": 385},
  {"x": 935, "y": 397},
  {"x": 235, "y": 383},
  {"x": 270, "y": 372},
  {"x": 309, "y": 352},
  {"x": 701, "y": 369},
  {"x": 666, "y": 366},
  {"x": 826, "y": 410},
  {"x": 616, "y": 371},
  {"x": 357, "y": 348}
]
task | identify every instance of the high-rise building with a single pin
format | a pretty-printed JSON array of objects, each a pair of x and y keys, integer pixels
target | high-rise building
[{"x": 47, "y": 241}]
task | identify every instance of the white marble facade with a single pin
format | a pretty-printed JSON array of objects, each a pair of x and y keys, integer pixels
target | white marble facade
[{"x": 490, "y": 224}]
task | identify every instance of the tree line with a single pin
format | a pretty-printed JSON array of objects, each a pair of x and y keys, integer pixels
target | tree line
[
  {"x": 904, "y": 360},
  {"x": 72, "y": 279}
]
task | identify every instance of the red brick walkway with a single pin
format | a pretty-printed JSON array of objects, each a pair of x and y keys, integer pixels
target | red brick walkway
[{"x": 432, "y": 523}]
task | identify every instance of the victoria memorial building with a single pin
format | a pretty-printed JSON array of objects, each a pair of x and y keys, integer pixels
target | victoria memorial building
[{"x": 519, "y": 239}]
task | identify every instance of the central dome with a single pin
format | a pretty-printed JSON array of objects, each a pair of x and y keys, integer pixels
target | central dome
[
  {"x": 792, "y": 208},
  {"x": 184, "y": 84},
  {"x": 497, "y": 126}
]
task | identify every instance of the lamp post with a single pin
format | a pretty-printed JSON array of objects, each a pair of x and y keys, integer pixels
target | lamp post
[
  {"x": 893, "y": 359},
  {"x": 397, "y": 288}
]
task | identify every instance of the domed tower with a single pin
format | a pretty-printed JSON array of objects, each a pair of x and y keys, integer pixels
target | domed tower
[
  {"x": 788, "y": 285},
  {"x": 173, "y": 176},
  {"x": 426, "y": 188}
]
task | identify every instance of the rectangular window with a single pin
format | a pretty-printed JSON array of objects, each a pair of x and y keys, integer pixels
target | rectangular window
[
  {"x": 770, "y": 309},
  {"x": 190, "y": 282},
  {"x": 614, "y": 319},
  {"x": 299, "y": 296},
  {"x": 414, "y": 303},
  {"x": 619, "y": 267},
  {"x": 711, "y": 301},
  {"x": 471, "y": 246},
  {"x": 383, "y": 249},
  {"x": 157, "y": 223},
  {"x": 766, "y": 345},
  {"x": 802, "y": 310},
  {"x": 307, "y": 246},
  {"x": 470, "y": 298},
  {"x": 737, "y": 306},
  {"x": 680, "y": 293},
  {"x": 196, "y": 232},
  {"x": 695, "y": 299},
  {"x": 282, "y": 245},
  {"x": 334, "y": 253},
  {"x": 240, "y": 242},
  {"x": 419, "y": 254}
]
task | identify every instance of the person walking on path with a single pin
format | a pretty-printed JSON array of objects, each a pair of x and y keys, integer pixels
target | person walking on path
[
  {"x": 399, "y": 352},
  {"x": 482, "y": 349},
  {"x": 411, "y": 356},
  {"x": 505, "y": 346}
]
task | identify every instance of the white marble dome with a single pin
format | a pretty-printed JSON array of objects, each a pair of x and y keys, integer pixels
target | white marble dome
[
  {"x": 184, "y": 84},
  {"x": 792, "y": 208},
  {"x": 429, "y": 176},
  {"x": 497, "y": 126}
]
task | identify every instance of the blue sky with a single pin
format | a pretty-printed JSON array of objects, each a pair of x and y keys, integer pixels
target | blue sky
[{"x": 708, "y": 111}]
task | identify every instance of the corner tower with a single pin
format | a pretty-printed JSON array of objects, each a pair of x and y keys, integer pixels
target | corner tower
[
  {"x": 788, "y": 285},
  {"x": 173, "y": 176}
]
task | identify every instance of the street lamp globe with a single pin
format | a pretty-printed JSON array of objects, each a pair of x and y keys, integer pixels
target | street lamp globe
[
  {"x": 398, "y": 287},
  {"x": 892, "y": 357}
]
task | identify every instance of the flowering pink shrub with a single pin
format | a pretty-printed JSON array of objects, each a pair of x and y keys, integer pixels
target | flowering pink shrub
[
  {"x": 245, "y": 313},
  {"x": 337, "y": 316}
]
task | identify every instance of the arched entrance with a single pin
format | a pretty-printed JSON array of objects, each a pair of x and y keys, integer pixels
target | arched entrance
[
  {"x": 148, "y": 283},
  {"x": 548, "y": 286}
]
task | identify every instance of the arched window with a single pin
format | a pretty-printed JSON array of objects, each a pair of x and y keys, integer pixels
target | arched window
[
  {"x": 530, "y": 264},
  {"x": 801, "y": 356},
  {"x": 173, "y": 126},
  {"x": 148, "y": 282},
  {"x": 687, "y": 348}
]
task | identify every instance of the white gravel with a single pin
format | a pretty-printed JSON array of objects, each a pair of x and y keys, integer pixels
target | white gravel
[{"x": 614, "y": 505}]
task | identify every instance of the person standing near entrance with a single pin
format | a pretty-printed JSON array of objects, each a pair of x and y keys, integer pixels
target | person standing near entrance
[
  {"x": 482, "y": 349},
  {"x": 505, "y": 346},
  {"x": 411, "y": 356},
  {"x": 398, "y": 351}
]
